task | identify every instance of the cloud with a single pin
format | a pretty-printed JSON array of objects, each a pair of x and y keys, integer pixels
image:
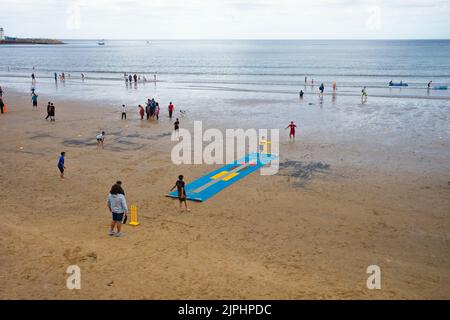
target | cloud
[{"x": 227, "y": 18}]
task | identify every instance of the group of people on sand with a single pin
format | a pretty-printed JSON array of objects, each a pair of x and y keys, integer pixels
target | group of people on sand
[{"x": 151, "y": 109}]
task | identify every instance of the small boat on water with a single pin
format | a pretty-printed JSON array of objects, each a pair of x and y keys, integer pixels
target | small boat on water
[{"x": 101, "y": 43}]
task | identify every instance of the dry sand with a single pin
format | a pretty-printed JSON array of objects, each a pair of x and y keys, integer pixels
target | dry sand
[{"x": 266, "y": 237}]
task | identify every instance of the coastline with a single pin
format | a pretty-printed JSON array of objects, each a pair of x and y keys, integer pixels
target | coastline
[
  {"x": 281, "y": 237},
  {"x": 31, "y": 41}
]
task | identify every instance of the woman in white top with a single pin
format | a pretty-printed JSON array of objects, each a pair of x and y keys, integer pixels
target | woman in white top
[{"x": 117, "y": 205}]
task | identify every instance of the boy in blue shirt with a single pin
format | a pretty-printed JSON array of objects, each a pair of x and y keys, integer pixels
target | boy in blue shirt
[{"x": 61, "y": 166}]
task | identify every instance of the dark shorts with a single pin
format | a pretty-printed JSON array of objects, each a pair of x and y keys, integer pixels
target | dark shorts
[
  {"x": 61, "y": 169},
  {"x": 34, "y": 103},
  {"x": 182, "y": 198},
  {"x": 117, "y": 217}
]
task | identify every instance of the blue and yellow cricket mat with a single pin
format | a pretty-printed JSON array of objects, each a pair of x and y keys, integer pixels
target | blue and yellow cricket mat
[{"x": 207, "y": 186}]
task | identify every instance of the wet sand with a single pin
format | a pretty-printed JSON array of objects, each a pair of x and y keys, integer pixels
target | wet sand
[{"x": 336, "y": 207}]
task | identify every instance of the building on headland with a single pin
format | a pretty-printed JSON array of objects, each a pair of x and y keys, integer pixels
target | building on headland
[{"x": 2, "y": 34}]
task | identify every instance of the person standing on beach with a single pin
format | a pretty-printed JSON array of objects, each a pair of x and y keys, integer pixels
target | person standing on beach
[
  {"x": 141, "y": 112},
  {"x": 52, "y": 112},
  {"x": 321, "y": 89},
  {"x": 147, "y": 109},
  {"x": 334, "y": 86},
  {"x": 363, "y": 95},
  {"x": 34, "y": 100},
  {"x": 48, "y": 111},
  {"x": 181, "y": 187},
  {"x": 292, "y": 127},
  {"x": 100, "y": 139},
  {"x": 171, "y": 108},
  {"x": 61, "y": 165},
  {"x": 135, "y": 77},
  {"x": 2, "y": 105},
  {"x": 157, "y": 111},
  {"x": 176, "y": 127},
  {"x": 1, "y": 92},
  {"x": 56, "y": 77},
  {"x": 117, "y": 206},
  {"x": 152, "y": 108},
  {"x": 124, "y": 112},
  {"x": 306, "y": 80},
  {"x": 429, "y": 84},
  {"x": 301, "y": 93}
]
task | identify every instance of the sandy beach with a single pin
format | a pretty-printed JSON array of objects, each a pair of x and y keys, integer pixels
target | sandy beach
[{"x": 309, "y": 232}]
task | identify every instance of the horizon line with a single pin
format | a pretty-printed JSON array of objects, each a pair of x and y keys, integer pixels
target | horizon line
[{"x": 256, "y": 39}]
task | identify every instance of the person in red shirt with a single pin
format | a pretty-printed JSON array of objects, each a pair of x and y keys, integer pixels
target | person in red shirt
[
  {"x": 171, "y": 107},
  {"x": 292, "y": 127}
]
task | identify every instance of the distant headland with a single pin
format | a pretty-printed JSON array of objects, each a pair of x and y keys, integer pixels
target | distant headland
[
  {"x": 13, "y": 40},
  {"x": 30, "y": 41}
]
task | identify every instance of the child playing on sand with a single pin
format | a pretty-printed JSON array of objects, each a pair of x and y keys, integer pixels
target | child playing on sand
[
  {"x": 52, "y": 112},
  {"x": 141, "y": 112},
  {"x": 117, "y": 205},
  {"x": 157, "y": 111},
  {"x": 292, "y": 127},
  {"x": 61, "y": 165},
  {"x": 180, "y": 185},
  {"x": 34, "y": 99},
  {"x": 100, "y": 139},
  {"x": 124, "y": 112},
  {"x": 48, "y": 110},
  {"x": 176, "y": 127}
]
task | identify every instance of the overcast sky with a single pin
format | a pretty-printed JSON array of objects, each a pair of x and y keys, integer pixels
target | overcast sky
[{"x": 227, "y": 19}]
